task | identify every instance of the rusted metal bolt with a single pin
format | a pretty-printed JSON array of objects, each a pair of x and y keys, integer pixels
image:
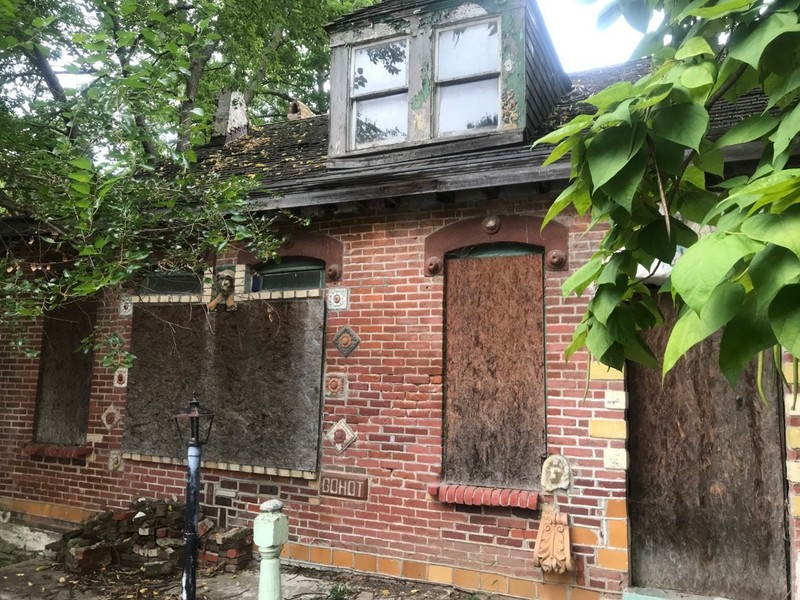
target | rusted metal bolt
[
  {"x": 556, "y": 259},
  {"x": 491, "y": 224},
  {"x": 433, "y": 265}
]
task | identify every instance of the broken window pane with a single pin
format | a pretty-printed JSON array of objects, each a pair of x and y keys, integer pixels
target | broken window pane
[
  {"x": 380, "y": 68},
  {"x": 382, "y": 119},
  {"x": 466, "y": 51},
  {"x": 468, "y": 106}
]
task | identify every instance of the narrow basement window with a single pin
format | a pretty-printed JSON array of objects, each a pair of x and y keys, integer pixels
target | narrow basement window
[
  {"x": 182, "y": 282},
  {"x": 289, "y": 274}
]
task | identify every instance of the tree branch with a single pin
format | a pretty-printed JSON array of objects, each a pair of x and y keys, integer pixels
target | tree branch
[{"x": 42, "y": 66}]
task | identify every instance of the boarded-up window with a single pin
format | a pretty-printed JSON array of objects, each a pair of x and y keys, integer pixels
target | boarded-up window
[
  {"x": 494, "y": 369},
  {"x": 707, "y": 488},
  {"x": 65, "y": 375},
  {"x": 259, "y": 369}
]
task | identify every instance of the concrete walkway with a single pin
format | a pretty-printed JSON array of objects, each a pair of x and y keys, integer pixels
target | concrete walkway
[{"x": 40, "y": 579}]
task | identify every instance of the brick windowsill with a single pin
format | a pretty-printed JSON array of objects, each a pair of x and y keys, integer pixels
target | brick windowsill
[
  {"x": 57, "y": 450},
  {"x": 470, "y": 495}
]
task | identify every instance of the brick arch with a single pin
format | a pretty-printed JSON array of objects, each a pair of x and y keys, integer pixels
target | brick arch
[
  {"x": 497, "y": 229},
  {"x": 307, "y": 245}
]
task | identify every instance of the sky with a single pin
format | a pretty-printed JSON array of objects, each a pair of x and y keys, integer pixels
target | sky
[{"x": 579, "y": 43}]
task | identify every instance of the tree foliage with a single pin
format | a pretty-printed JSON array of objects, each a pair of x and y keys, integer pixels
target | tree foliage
[
  {"x": 102, "y": 104},
  {"x": 647, "y": 165}
]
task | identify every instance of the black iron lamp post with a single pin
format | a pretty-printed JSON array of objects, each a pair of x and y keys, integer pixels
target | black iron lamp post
[{"x": 194, "y": 429}]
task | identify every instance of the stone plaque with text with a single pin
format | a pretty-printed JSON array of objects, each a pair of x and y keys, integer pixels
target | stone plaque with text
[{"x": 338, "y": 485}]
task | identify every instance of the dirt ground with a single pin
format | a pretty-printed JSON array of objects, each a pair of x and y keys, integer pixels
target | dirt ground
[{"x": 40, "y": 579}]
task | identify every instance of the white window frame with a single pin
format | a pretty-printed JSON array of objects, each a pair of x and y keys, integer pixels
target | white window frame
[
  {"x": 354, "y": 98},
  {"x": 438, "y": 84}
]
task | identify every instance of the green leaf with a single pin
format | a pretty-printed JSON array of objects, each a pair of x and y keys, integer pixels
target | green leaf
[
  {"x": 560, "y": 150},
  {"x": 613, "y": 94},
  {"x": 83, "y": 176},
  {"x": 721, "y": 9},
  {"x": 692, "y": 327},
  {"x": 578, "y": 340},
  {"x": 598, "y": 340},
  {"x": 654, "y": 240},
  {"x": 789, "y": 85},
  {"x": 654, "y": 94},
  {"x": 784, "y": 316},
  {"x": 781, "y": 229},
  {"x": 197, "y": 111},
  {"x": 745, "y": 335},
  {"x": 82, "y": 189},
  {"x": 697, "y": 76},
  {"x": 684, "y": 124},
  {"x": 704, "y": 266},
  {"x": 577, "y": 193},
  {"x": 637, "y": 13},
  {"x": 576, "y": 125},
  {"x": 581, "y": 278},
  {"x": 82, "y": 163},
  {"x": 609, "y": 152},
  {"x": 694, "y": 46},
  {"x": 610, "y": 13},
  {"x": 127, "y": 7},
  {"x": 747, "y": 130},
  {"x": 749, "y": 48},
  {"x": 770, "y": 270},
  {"x": 710, "y": 159},
  {"x": 622, "y": 187},
  {"x": 607, "y": 298},
  {"x": 787, "y": 130},
  {"x": 622, "y": 113},
  {"x": 157, "y": 17}
]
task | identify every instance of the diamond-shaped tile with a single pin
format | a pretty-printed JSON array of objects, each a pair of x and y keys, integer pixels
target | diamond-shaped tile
[
  {"x": 346, "y": 341},
  {"x": 341, "y": 435}
]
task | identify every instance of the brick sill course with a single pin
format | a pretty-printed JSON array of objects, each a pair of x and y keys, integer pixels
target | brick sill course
[
  {"x": 470, "y": 495},
  {"x": 57, "y": 450}
]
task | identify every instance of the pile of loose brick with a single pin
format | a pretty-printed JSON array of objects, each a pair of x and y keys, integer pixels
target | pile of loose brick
[{"x": 149, "y": 536}]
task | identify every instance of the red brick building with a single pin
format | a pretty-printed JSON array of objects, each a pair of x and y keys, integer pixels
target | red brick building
[{"x": 397, "y": 380}]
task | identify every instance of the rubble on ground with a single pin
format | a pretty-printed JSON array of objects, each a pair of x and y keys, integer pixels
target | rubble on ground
[{"x": 149, "y": 536}]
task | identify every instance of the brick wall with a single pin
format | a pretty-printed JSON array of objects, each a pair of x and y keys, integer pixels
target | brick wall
[{"x": 393, "y": 402}]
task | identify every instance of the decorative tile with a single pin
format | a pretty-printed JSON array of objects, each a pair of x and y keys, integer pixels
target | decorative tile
[
  {"x": 125, "y": 306},
  {"x": 338, "y": 298},
  {"x": 114, "y": 461},
  {"x": 111, "y": 417},
  {"x": 121, "y": 377},
  {"x": 341, "y": 435},
  {"x": 335, "y": 385},
  {"x": 346, "y": 341}
]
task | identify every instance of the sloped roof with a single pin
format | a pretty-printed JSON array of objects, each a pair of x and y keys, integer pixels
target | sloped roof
[{"x": 290, "y": 158}]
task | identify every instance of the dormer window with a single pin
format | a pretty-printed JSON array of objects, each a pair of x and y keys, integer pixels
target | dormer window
[
  {"x": 379, "y": 93},
  {"x": 415, "y": 80},
  {"x": 468, "y": 78}
]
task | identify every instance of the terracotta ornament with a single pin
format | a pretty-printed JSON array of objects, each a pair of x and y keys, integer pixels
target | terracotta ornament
[
  {"x": 552, "y": 549},
  {"x": 225, "y": 288},
  {"x": 555, "y": 474}
]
